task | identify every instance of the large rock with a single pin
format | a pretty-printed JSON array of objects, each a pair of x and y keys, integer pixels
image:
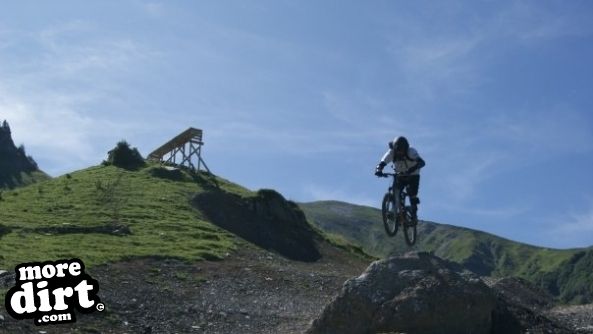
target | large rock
[
  {"x": 7, "y": 279},
  {"x": 416, "y": 293}
]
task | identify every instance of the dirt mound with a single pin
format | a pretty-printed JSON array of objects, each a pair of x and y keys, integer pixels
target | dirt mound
[{"x": 267, "y": 220}]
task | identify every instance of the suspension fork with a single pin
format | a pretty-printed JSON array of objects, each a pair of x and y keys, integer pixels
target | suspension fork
[{"x": 399, "y": 197}]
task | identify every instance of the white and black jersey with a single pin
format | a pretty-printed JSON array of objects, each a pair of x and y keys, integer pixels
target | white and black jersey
[{"x": 411, "y": 160}]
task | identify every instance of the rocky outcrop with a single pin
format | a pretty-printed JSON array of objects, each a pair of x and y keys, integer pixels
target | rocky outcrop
[
  {"x": 416, "y": 293},
  {"x": 7, "y": 279},
  {"x": 15, "y": 166},
  {"x": 421, "y": 293},
  {"x": 11, "y": 157},
  {"x": 266, "y": 219}
]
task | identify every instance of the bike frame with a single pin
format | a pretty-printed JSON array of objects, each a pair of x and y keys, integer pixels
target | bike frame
[
  {"x": 402, "y": 216},
  {"x": 401, "y": 202}
]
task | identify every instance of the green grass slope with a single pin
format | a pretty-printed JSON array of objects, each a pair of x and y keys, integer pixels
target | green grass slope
[
  {"x": 573, "y": 280},
  {"x": 481, "y": 252},
  {"x": 103, "y": 214}
]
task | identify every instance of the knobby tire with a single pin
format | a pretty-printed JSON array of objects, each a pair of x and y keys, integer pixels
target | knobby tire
[
  {"x": 390, "y": 223},
  {"x": 410, "y": 232}
]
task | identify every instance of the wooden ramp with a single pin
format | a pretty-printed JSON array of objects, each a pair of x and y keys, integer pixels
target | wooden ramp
[{"x": 183, "y": 149}]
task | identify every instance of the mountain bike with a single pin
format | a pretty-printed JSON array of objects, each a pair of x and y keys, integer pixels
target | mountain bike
[{"x": 395, "y": 212}]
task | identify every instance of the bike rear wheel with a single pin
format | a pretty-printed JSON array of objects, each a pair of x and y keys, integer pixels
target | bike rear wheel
[
  {"x": 410, "y": 232},
  {"x": 389, "y": 212}
]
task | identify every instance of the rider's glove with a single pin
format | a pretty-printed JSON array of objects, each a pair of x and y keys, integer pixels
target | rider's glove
[{"x": 379, "y": 169}]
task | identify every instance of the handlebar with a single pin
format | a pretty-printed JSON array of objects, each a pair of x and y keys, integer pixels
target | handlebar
[{"x": 390, "y": 174}]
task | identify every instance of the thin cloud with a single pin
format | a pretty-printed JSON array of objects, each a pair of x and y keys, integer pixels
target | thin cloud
[
  {"x": 154, "y": 9},
  {"x": 580, "y": 222},
  {"x": 52, "y": 37},
  {"x": 463, "y": 179},
  {"x": 502, "y": 212},
  {"x": 557, "y": 129},
  {"x": 436, "y": 59},
  {"x": 49, "y": 99},
  {"x": 530, "y": 22},
  {"x": 290, "y": 140},
  {"x": 63, "y": 58},
  {"x": 55, "y": 133},
  {"x": 55, "y": 58},
  {"x": 571, "y": 229}
]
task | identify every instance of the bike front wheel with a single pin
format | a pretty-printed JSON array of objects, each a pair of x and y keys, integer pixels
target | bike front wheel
[
  {"x": 389, "y": 212},
  {"x": 410, "y": 232}
]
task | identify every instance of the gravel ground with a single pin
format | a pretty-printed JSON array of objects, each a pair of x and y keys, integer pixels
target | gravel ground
[
  {"x": 252, "y": 291},
  {"x": 577, "y": 317}
]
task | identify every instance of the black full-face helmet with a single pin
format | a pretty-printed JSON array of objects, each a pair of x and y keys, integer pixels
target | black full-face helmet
[{"x": 400, "y": 145}]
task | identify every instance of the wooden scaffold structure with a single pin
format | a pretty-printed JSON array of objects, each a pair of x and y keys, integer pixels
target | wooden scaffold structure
[{"x": 183, "y": 150}]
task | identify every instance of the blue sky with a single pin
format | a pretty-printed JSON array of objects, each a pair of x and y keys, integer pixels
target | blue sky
[{"x": 303, "y": 96}]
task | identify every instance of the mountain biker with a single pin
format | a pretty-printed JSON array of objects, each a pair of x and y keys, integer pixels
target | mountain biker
[{"x": 407, "y": 163}]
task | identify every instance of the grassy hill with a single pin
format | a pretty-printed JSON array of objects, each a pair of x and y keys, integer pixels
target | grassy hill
[
  {"x": 150, "y": 228},
  {"x": 105, "y": 213},
  {"x": 564, "y": 273}
]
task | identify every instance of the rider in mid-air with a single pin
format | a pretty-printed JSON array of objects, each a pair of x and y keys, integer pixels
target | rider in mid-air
[{"x": 407, "y": 163}]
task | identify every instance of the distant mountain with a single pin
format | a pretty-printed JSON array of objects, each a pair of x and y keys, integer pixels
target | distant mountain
[
  {"x": 16, "y": 168},
  {"x": 564, "y": 273}
]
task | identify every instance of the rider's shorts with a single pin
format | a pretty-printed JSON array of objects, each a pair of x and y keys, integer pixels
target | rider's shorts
[{"x": 412, "y": 182}]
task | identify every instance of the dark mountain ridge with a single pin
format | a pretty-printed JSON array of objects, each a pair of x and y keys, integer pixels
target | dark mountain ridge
[{"x": 16, "y": 167}]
